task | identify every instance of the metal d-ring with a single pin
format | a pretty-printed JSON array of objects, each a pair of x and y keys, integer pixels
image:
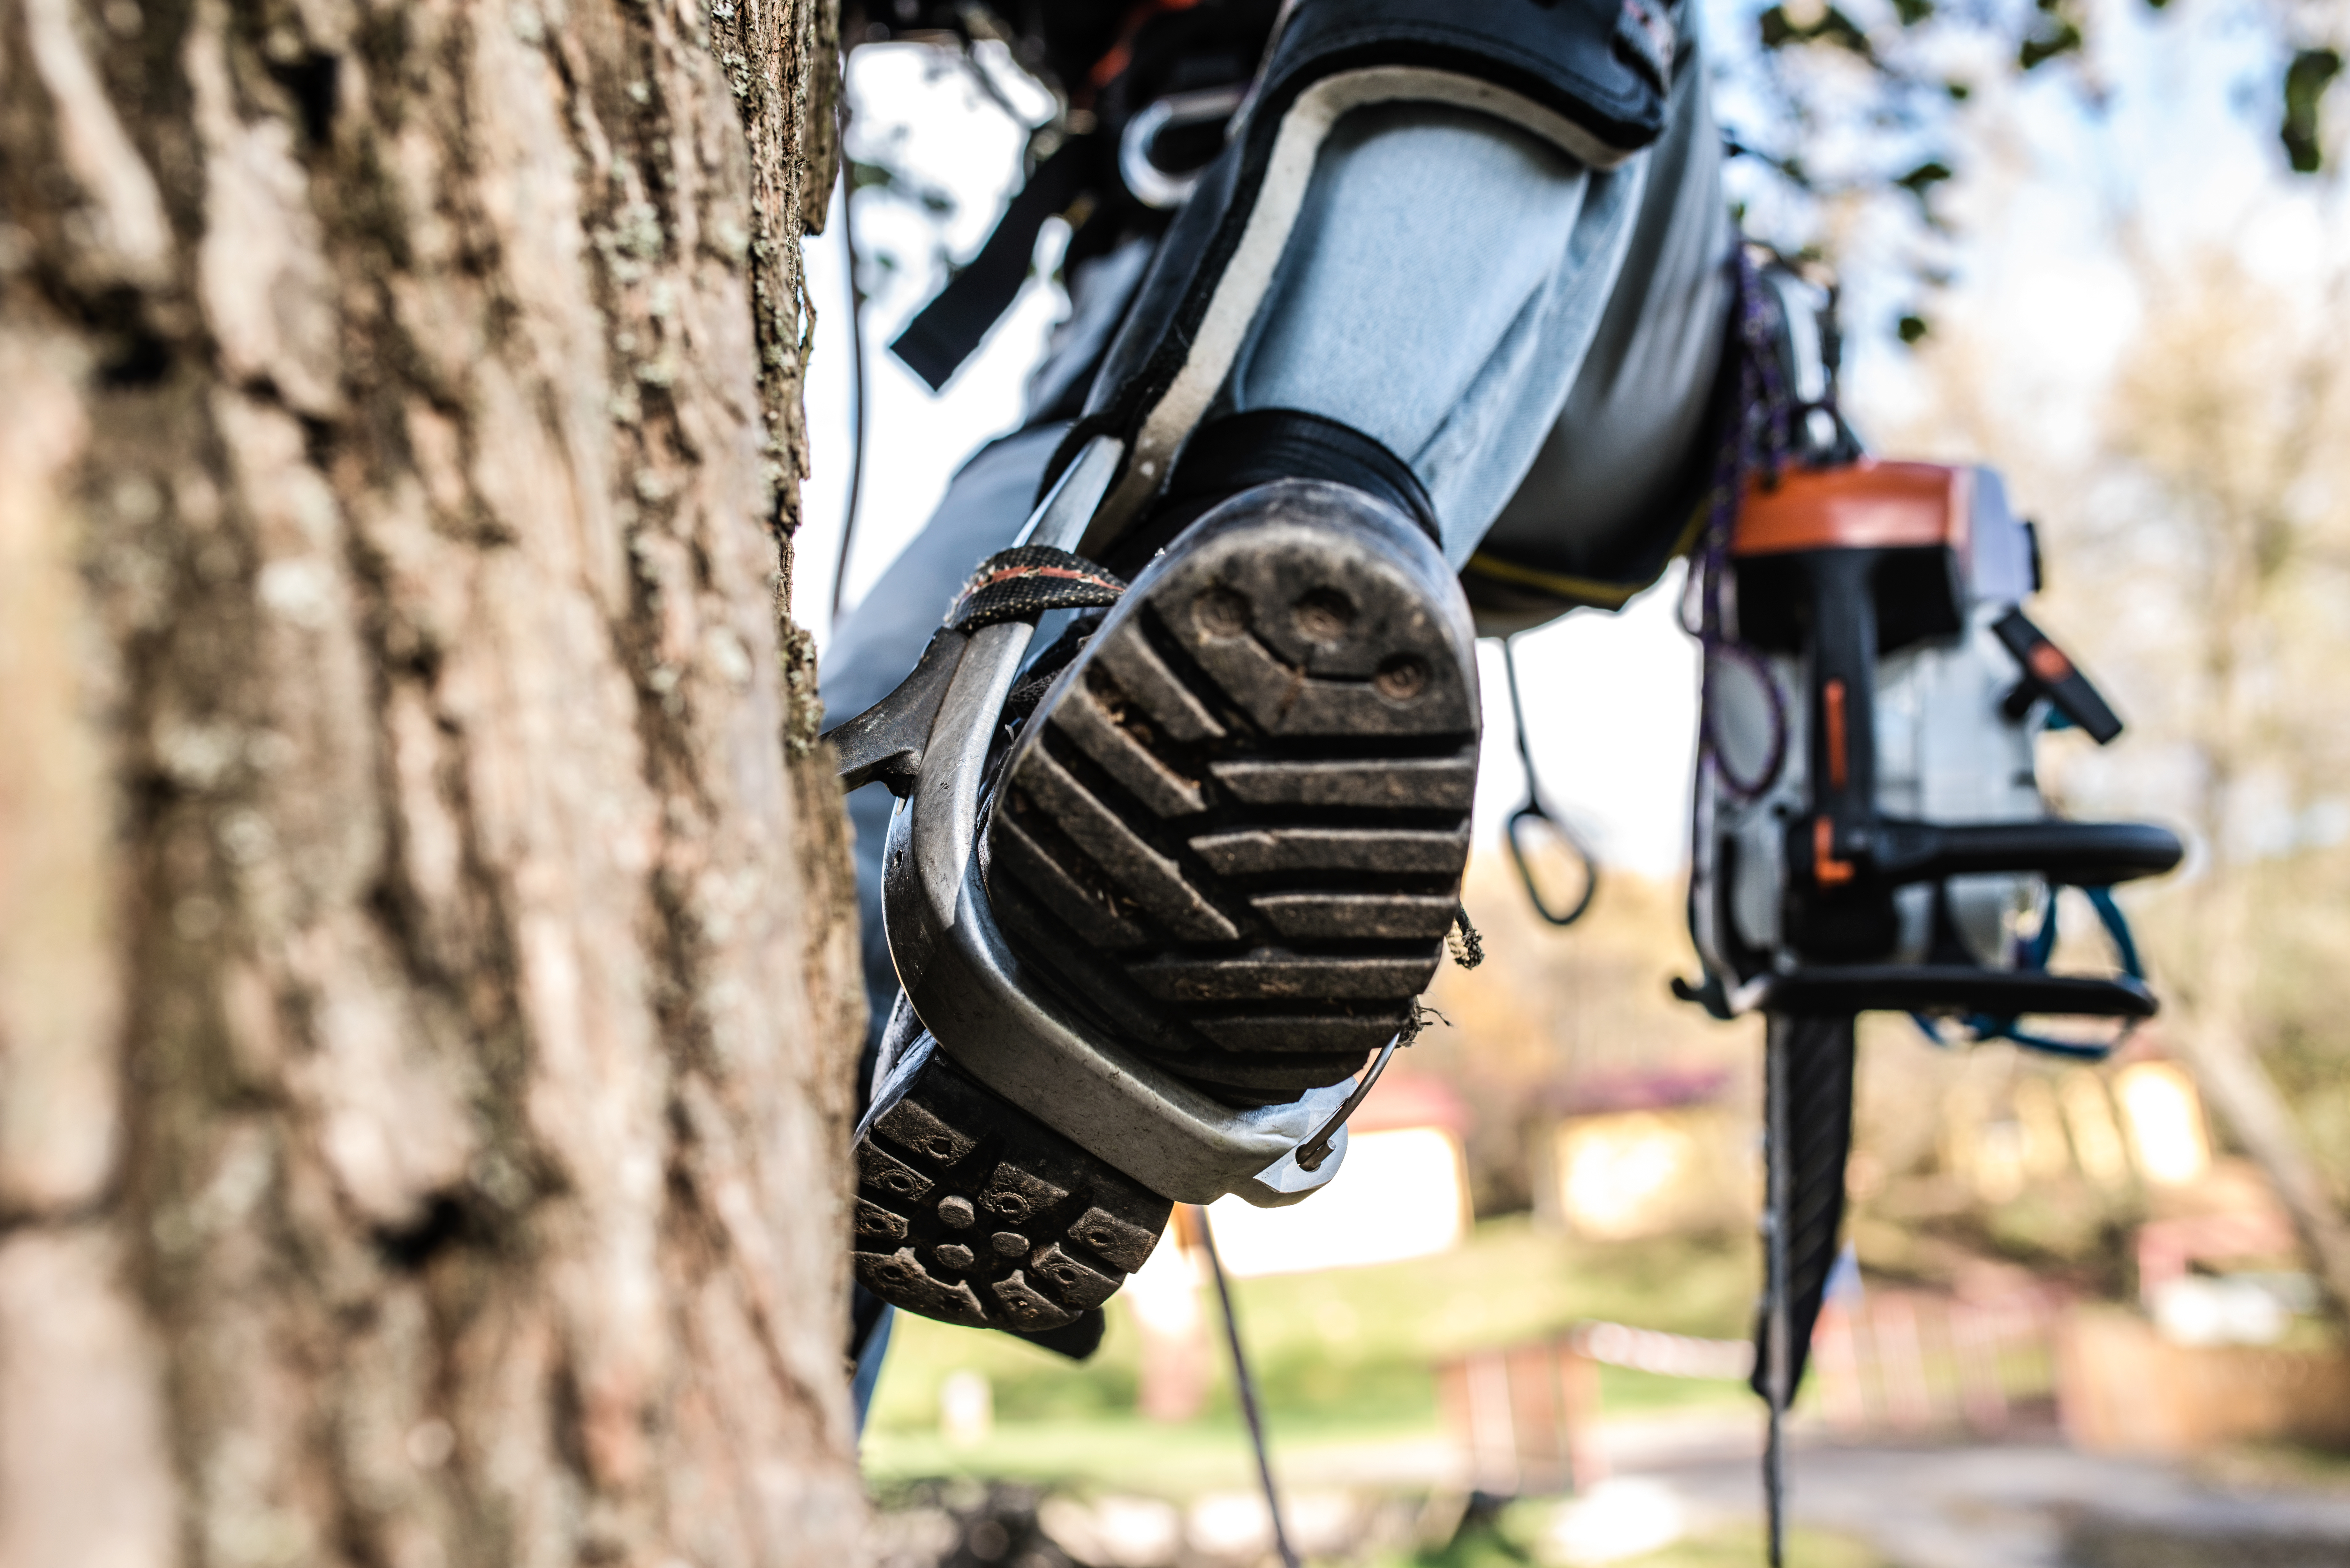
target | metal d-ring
[{"x": 1153, "y": 186}]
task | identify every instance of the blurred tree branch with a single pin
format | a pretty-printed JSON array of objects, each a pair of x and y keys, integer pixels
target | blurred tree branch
[
  {"x": 2235, "y": 403},
  {"x": 1866, "y": 106}
]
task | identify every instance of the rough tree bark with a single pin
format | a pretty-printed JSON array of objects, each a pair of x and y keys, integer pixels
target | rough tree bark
[{"x": 427, "y": 1011}]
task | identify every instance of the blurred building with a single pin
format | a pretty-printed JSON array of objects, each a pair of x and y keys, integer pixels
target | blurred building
[
  {"x": 1167, "y": 1299},
  {"x": 1402, "y": 1193},
  {"x": 1653, "y": 1153}
]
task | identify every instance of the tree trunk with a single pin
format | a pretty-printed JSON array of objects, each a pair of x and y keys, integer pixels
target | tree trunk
[
  {"x": 2215, "y": 1033},
  {"x": 427, "y": 999},
  {"x": 2250, "y": 547}
]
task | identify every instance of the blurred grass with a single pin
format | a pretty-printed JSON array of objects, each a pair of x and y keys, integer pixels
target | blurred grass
[
  {"x": 1743, "y": 1548},
  {"x": 1723, "y": 1549},
  {"x": 1513, "y": 1539},
  {"x": 1342, "y": 1355}
]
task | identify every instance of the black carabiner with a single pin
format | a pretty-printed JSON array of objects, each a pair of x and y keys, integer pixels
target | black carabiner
[{"x": 1532, "y": 817}]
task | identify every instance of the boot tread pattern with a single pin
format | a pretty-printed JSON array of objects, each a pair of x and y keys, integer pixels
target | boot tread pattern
[
  {"x": 1235, "y": 830},
  {"x": 971, "y": 1211}
]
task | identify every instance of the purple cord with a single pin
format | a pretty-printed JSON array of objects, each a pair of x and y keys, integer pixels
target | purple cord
[{"x": 1760, "y": 435}]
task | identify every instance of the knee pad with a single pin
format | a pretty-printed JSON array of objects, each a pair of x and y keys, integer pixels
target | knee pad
[{"x": 1590, "y": 76}]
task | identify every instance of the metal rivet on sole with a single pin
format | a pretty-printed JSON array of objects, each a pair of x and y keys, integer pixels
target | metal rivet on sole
[
  {"x": 1322, "y": 615},
  {"x": 1401, "y": 678},
  {"x": 1220, "y": 613}
]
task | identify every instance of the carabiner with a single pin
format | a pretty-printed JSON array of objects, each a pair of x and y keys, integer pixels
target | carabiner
[{"x": 1532, "y": 814}]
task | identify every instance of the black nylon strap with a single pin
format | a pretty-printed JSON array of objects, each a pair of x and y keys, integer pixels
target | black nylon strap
[
  {"x": 1026, "y": 581},
  {"x": 944, "y": 332}
]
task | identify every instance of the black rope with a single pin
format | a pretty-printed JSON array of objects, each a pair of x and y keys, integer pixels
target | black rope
[
  {"x": 1772, "y": 1366},
  {"x": 856, "y": 359},
  {"x": 1246, "y": 1385}
]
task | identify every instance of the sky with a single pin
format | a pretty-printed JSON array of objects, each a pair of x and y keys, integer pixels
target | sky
[{"x": 2180, "y": 135}]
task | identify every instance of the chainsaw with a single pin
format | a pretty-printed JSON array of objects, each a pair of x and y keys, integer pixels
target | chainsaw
[{"x": 1868, "y": 830}]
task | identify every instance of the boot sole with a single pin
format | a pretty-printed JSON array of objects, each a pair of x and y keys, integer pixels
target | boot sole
[
  {"x": 1233, "y": 832},
  {"x": 971, "y": 1211}
]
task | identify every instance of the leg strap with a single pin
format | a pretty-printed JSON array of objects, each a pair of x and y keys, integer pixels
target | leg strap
[{"x": 1590, "y": 76}]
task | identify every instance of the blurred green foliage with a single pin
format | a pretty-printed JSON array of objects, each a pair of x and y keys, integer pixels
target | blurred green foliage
[
  {"x": 1511, "y": 1538},
  {"x": 1346, "y": 1355}
]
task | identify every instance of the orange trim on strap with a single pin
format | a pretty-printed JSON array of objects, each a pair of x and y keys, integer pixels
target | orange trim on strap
[
  {"x": 1014, "y": 574},
  {"x": 1864, "y": 505}
]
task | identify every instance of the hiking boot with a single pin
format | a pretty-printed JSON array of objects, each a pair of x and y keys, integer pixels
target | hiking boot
[
  {"x": 1234, "y": 828},
  {"x": 1227, "y": 842}
]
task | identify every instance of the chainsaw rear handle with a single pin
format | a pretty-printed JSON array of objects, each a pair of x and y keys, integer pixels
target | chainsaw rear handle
[{"x": 2048, "y": 674}]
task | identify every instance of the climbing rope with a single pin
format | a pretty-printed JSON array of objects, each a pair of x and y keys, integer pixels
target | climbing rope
[
  {"x": 1245, "y": 1382},
  {"x": 1759, "y": 439}
]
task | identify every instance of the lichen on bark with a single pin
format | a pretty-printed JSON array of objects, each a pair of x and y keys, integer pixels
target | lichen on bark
[{"x": 782, "y": 64}]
